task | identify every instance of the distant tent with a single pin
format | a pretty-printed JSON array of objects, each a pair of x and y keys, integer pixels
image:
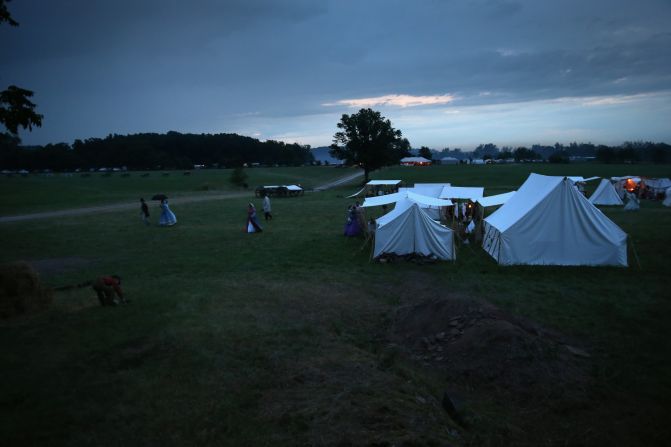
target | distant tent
[
  {"x": 408, "y": 229},
  {"x": 667, "y": 199},
  {"x": 548, "y": 222},
  {"x": 415, "y": 161},
  {"x": 657, "y": 185},
  {"x": 605, "y": 194}
]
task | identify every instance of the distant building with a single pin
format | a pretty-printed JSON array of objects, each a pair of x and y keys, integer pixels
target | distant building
[{"x": 415, "y": 161}]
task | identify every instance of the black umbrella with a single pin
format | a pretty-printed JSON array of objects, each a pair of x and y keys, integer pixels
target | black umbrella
[{"x": 159, "y": 197}]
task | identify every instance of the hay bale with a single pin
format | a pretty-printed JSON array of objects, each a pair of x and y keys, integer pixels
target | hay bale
[{"x": 21, "y": 290}]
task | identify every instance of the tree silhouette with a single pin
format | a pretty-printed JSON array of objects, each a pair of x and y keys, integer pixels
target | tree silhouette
[
  {"x": 367, "y": 139},
  {"x": 426, "y": 153},
  {"x": 15, "y": 107}
]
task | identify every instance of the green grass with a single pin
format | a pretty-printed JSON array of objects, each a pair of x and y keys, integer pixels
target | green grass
[
  {"x": 278, "y": 338},
  {"x": 40, "y": 192}
]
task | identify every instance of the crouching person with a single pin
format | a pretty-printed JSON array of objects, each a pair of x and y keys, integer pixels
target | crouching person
[{"x": 107, "y": 287}]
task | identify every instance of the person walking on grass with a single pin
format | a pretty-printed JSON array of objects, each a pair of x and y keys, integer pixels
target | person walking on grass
[
  {"x": 266, "y": 207},
  {"x": 144, "y": 212}
]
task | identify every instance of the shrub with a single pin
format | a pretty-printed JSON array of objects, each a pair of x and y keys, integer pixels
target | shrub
[{"x": 21, "y": 291}]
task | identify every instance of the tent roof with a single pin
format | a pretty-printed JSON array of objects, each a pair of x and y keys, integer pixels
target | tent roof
[
  {"x": 384, "y": 182},
  {"x": 581, "y": 179},
  {"x": 633, "y": 177},
  {"x": 415, "y": 159},
  {"x": 289, "y": 187},
  {"x": 524, "y": 200},
  {"x": 405, "y": 195},
  {"x": 462, "y": 192},
  {"x": 400, "y": 207},
  {"x": 428, "y": 189},
  {"x": 658, "y": 183},
  {"x": 498, "y": 199}
]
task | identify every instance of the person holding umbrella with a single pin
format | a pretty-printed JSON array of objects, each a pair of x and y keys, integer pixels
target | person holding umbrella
[{"x": 167, "y": 218}]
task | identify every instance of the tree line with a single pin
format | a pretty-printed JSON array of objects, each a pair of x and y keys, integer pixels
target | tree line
[
  {"x": 172, "y": 150},
  {"x": 628, "y": 152}
]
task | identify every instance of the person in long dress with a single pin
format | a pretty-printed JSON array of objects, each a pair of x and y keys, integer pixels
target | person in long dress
[
  {"x": 167, "y": 218},
  {"x": 252, "y": 222},
  {"x": 352, "y": 227}
]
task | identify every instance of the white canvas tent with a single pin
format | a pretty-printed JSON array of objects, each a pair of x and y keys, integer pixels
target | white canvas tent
[
  {"x": 428, "y": 189},
  {"x": 462, "y": 192},
  {"x": 657, "y": 185},
  {"x": 605, "y": 194},
  {"x": 409, "y": 229},
  {"x": 404, "y": 194},
  {"x": 413, "y": 161},
  {"x": 548, "y": 222},
  {"x": 581, "y": 179},
  {"x": 667, "y": 199}
]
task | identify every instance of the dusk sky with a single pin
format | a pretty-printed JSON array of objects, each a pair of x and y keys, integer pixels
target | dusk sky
[{"x": 447, "y": 73}]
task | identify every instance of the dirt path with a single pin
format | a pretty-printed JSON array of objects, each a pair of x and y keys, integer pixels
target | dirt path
[{"x": 177, "y": 200}]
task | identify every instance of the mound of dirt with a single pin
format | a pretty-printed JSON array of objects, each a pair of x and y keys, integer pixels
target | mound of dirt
[
  {"x": 482, "y": 347},
  {"x": 21, "y": 290}
]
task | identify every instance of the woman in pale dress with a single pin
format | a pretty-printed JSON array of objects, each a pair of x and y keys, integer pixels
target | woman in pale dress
[{"x": 167, "y": 218}]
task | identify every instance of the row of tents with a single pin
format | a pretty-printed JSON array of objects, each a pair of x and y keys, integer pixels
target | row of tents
[{"x": 547, "y": 221}]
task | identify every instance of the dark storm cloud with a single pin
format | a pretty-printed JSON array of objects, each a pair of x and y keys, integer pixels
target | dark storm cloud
[{"x": 122, "y": 66}]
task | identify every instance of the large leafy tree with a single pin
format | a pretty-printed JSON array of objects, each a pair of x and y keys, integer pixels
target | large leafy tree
[
  {"x": 426, "y": 153},
  {"x": 15, "y": 107},
  {"x": 367, "y": 139}
]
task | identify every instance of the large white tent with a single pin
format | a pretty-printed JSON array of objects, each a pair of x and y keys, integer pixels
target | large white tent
[
  {"x": 409, "y": 229},
  {"x": 548, "y": 222},
  {"x": 605, "y": 194}
]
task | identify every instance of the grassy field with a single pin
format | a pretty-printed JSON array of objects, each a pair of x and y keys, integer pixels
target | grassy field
[
  {"x": 41, "y": 192},
  {"x": 281, "y": 338}
]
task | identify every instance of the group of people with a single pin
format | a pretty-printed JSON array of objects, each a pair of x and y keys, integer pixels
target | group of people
[{"x": 167, "y": 218}]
